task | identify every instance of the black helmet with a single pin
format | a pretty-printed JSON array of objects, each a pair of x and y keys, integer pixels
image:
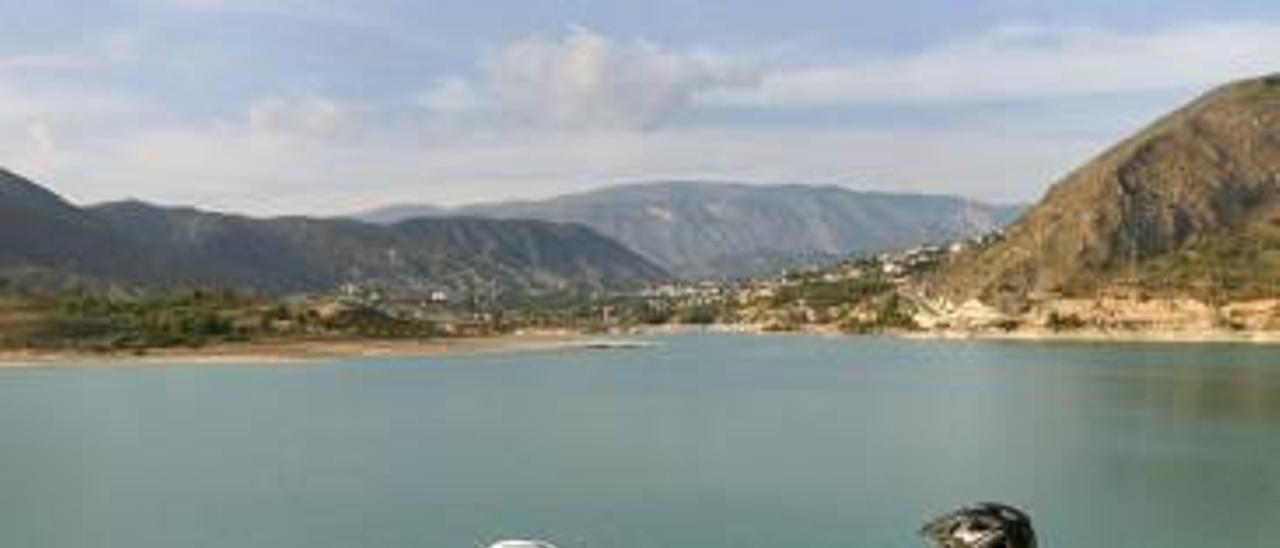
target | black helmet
[{"x": 984, "y": 525}]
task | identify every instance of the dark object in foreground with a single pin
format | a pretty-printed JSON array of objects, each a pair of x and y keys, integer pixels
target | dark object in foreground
[
  {"x": 983, "y": 525},
  {"x": 522, "y": 544}
]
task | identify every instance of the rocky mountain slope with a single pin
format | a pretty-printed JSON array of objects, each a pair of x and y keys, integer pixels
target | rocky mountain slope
[
  {"x": 138, "y": 243},
  {"x": 708, "y": 229},
  {"x": 1190, "y": 206}
]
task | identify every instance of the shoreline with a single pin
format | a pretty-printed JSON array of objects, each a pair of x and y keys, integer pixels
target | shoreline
[
  {"x": 303, "y": 351},
  {"x": 1107, "y": 336},
  {"x": 307, "y": 351},
  {"x": 1188, "y": 336}
]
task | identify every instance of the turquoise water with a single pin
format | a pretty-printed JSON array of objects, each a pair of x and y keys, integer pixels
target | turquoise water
[{"x": 700, "y": 442}]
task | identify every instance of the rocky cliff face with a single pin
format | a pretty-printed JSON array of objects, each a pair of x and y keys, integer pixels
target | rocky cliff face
[{"x": 1188, "y": 206}]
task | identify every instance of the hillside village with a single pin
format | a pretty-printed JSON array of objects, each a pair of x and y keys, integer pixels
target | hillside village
[
  {"x": 890, "y": 291},
  {"x": 857, "y": 294},
  {"x": 1173, "y": 230}
]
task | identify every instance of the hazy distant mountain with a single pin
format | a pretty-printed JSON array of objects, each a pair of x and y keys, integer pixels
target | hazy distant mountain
[
  {"x": 394, "y": 214},
  {"x": 139, "y": 243},
  {"x": 704, "y": 229},
  {"x": 1188, "y": 206}
]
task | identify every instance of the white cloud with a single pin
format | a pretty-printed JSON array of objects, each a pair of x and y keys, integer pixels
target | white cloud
[
  {"x": 308, "y": 153},
  {"x": 96, "y": 52},
  {"x": 451, "y": 96},
  {"x": 38, "y": 61},
  {"x": 228, "y": 168},
  {"x": 311, "y": 116},
  {"x": 44, "y": 130},
  {"x": 33, "y": 147},
  {"x": 587, "y": 80},
  {"x": 251, "y": 6},
  {"x": 42, "y": 137},
  {"x": 118, "y": 48},
  {"x": 1028, "y": 62}
]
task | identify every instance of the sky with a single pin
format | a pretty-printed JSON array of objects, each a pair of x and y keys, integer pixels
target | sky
[{"x": 322, "y": 107}]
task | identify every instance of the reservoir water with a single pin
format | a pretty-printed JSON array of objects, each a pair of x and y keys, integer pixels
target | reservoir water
[{"x": 701, "y": 441}]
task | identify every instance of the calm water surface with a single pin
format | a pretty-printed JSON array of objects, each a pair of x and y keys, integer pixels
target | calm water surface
[{"x": 700, "y": 442}]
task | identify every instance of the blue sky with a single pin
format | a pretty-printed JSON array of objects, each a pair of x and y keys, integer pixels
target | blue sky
[{"x": 285, "y": 106}]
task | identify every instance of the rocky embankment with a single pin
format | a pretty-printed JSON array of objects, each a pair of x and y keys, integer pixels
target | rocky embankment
[{"x": 1164, "y": 319}]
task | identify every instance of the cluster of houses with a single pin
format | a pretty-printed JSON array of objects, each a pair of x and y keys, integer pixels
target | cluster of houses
[
  {"x": 410, "y": 302},
  {"x": 811, "y": 295},
  {"x": 751, "y": 300}
]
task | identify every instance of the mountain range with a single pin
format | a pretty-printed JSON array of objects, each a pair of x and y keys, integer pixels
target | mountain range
[
  {"x": 702, "y": 229},
  {"x": 1189, "y": 206},
  {"x": 44, "y": 239}
]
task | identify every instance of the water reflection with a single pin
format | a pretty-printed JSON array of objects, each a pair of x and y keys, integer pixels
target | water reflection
[
  {"x": 1227, "y": 383},
  {"x": 706, "y": 441}
]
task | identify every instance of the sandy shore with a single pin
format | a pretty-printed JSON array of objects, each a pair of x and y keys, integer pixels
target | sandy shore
[
  {"x": 299, "y": 351},
  {"x": 1101, "y": 336},
  {"x": 320, "y": 350},
  {"x": 1023, "y": 335}
]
